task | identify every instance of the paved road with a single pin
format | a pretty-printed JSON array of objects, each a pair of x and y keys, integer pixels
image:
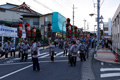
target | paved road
[
  {"x": 106, "y": 71},
  {"x": 13, "y": 69}
]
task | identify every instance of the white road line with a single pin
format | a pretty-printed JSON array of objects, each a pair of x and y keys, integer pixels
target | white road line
[
  {"x": 109, "y": 75},
  {"x": 31, "y": 62},
  {"x": 44, "y": 56},
  {"x": 39, "y": 55},
  {"x": 15, "y": 72},
  {"x": 59, "y": 54},
  {"x": 16, "y": 59},
  {"x": 109, "y": 69}
]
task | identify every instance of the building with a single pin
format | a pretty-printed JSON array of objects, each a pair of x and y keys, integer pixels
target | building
[
  {"x": 116, "y": 29},
  {"x": 107, "y": 29},
  {"x": 11, "y": 15},
  {"x": 58, "y": 24}
]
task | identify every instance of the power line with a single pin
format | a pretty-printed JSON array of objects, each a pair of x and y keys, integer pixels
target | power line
[
  {"x": 102, "y": 3},
  {"x": 43, "y": 5}
]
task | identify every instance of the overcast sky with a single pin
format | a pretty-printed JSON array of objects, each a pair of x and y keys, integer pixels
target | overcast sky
[{"x": 82, "y": 9}]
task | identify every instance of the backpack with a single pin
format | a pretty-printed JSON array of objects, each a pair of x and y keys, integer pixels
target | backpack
[{"x": 75, "y": 49}]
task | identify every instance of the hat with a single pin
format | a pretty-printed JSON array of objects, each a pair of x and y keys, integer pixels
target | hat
[{"x": 12, "y": 40}]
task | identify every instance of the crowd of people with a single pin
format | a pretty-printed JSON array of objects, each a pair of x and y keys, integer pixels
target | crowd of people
[
  {"x": 72, "y": 48},
  {"x": 23, "y": 48}
]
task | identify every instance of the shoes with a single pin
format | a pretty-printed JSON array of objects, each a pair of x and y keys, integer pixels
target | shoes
[
  {"x": 39, "y": 70},
  {"x": 21, "y": 60}
]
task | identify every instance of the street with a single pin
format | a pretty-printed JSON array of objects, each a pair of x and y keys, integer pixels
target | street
[
  {"x": 106, "y": 71},
  {"x": 13, "y": 69}
]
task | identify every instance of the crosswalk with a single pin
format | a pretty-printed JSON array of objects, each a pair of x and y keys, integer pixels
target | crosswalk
[
  {"x": 44, "y": 55},
  {"x": 109, "y": 72}
]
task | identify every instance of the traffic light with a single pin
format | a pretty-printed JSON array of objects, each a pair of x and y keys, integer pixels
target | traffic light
[
  {"x": 34, "y": 31},
  {"x": 19, "y": 30},
  {"x": 49, "y": 30},
  {"x": 27, "y": 29}
]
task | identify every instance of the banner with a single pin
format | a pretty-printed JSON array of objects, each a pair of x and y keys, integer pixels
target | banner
[{"x": 10, "y": 32}]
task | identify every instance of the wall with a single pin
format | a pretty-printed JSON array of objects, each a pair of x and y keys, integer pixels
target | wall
[
  {"x": 49, "y": 19},
  {"x": 116, "y": 29},
  {"x": 59, "y": 24}
]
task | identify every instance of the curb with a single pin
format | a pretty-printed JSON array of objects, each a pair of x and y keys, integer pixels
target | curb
[
  {"x": 92, "y": 65},
  {"x": 106, "y": 61}
]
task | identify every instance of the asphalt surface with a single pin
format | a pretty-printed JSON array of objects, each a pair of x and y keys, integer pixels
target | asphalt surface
[
  {"x": 13, "y": 69},
  {"x": 106, "y": 71}
]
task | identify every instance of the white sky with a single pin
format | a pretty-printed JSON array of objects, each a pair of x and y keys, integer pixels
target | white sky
[{"x": 82, "y": 11}]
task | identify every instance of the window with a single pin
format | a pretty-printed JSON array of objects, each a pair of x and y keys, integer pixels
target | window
[
  {"x": 35, "y": 22},
  {"x": 105, "y": 29},
  {"x": 42, "y": 26},
  {"x": 26, "y": 21},
  {"x": 2, "y": 10}
]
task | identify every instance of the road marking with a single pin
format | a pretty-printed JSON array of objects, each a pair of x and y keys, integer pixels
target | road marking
[
  {"x": 39, "y": 55},
  {"x": 32, "y": 62},
  {"x": 109, "y": 75},
  {"x": 59, "y": 54},
  {"x": 15, "y": 72},
  {"x": 109, "y": 69},
  {"x": 16, "y": 59},
  {"x": 44, "y": 56}
]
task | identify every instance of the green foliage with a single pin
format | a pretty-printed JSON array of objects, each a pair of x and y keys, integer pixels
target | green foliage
[
  {"x": 45, "y": 40},
  {"x": 38, "y": 34}
]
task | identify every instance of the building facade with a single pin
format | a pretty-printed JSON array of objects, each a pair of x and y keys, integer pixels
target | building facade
[
  {"x": 116, "y": 29},
  {"x": 107, "y": 29},
  {"x": 11, "y": 15},
  {"x": 58, "y": 24}
]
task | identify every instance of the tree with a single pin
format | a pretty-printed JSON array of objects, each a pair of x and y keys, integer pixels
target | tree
[{"x": 38, "y": 34}]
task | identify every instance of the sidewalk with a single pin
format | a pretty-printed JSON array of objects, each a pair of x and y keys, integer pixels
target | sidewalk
[
  {"x": 105, "y": 55},
  {"x": 16, "y": 53},
  {"x": 87, "y": 72}
]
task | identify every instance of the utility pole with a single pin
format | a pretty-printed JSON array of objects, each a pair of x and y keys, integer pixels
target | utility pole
[
  {"x": 45, "y": 20},
  {"x": 98, "y": 17},
  {"x": 73, "y": 20},
  {"x": 84, "y": 27}
]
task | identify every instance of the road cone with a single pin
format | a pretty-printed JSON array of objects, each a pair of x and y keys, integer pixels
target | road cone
[{"x": 116, "y": 58}]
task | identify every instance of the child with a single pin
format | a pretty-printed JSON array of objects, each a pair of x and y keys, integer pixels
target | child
[{"x": 35, "y": 61}]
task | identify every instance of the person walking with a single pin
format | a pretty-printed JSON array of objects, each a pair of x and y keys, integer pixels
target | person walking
[
  {"x": 73, "y": 52},
  {"x": 25, "y": 51},
  {"x": 12, "y": 47},
  {"x": 52, "y": 51},
  {"x": 82, "y": 52},
  {"x": 65, "y": 47},
  {"x": 35, "y": 56},
  {"x": 20, "y": 48},
  {"x": 6, "y": 49}
]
